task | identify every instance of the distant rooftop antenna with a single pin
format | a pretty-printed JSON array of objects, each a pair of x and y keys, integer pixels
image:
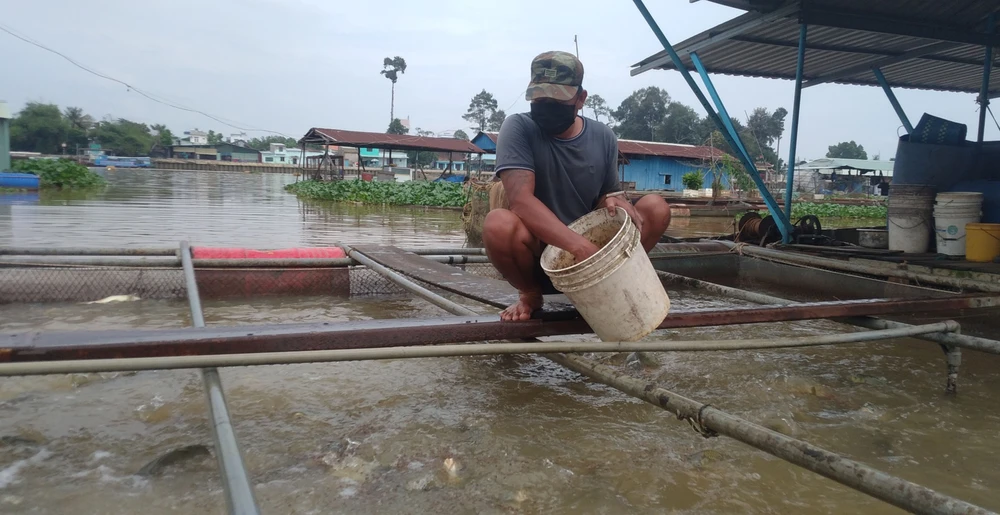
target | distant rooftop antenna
[{"x": 575, "y": 43}]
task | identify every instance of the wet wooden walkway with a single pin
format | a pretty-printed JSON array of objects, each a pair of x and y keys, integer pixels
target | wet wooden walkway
[{"x": 494, "y": 292}]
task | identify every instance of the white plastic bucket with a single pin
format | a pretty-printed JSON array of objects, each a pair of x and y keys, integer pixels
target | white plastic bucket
[
  {"x": 616, "y": 290},
  {"x": 909, "y": 217},
  {"x": 952, "y": 212}
]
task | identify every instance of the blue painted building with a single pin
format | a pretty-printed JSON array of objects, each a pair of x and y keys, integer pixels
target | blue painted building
[
  {"x": 660, "y": 166},
  {"x": 651, "y": 166}
]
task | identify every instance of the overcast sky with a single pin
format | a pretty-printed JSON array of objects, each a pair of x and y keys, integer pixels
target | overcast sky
[{"x": 288, "y": 65}]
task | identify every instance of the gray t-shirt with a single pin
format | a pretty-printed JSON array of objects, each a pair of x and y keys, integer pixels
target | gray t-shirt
[{"x": 570, "y": 174}]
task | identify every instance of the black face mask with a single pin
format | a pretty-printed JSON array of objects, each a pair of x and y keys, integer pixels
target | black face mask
[{"x": 553, "y": 118}]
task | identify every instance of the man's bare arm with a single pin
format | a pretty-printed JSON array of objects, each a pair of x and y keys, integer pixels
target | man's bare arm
[{"x": 519, "y": 186}]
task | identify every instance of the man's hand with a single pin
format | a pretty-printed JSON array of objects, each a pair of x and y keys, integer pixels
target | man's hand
[
  {"x": 614, "y": 202},
  {"x": 584, "y": 250}
]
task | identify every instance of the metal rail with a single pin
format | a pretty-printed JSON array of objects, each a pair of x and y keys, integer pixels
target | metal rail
[
  {"x": 439, "y": 351},
  {"x": 710, "y": 421},
  {"x": 171, "y": 262},
  {"x": 410, "y": 286},
  {"x": 235, "y": 480},
  {"x": 69, "y": 345},
  {"x": 846, "y": 266},
  {"x": 170, "y": 251}
]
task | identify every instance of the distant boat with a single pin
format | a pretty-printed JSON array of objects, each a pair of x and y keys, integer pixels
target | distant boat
[{"x": 123, "y": 162}]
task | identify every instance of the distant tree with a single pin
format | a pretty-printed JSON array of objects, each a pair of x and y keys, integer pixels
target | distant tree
[
  {"x": 39, "y": 128},
  {"x": 214, "y": 138},
  {"x": 847, "y": 150},
  {"x": 460, "y": 134},
  {"x": 641, "y": 113},
  {"x": 265, "y": 142},
  {"x": 681, "y": 125},
  {"x": 876, "y": 157},
  {"x": 76, "y": 118},
  {"x": 421, "y": 132},
  {"x": 164, "y": 137},
  {"x": 600, "y": 108},
  {"x": 124, "y": 137},
  {"x": 482, "y": 107},
  {"x": 397, "y": 127},
  {"x": 391, "y": 68},
  {"x": 496, "y": 120}
]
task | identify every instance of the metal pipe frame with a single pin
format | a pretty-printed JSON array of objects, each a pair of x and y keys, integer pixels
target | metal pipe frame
[
  {"x": 793, "y": 140},
  {"x": 783, "y": 224},
  {"x": 129, "y": 251},
  {"x": 846, "y": 266},
  {"x": 467, "y": 349},
  {"x": 710, "y": 421},
  {"x": 984, "y": 92},
  {"x": 410, "y": 286},
  {"x": 240, "y": 497},
  {"x": 121, "y": 344},
  {"x": 892, "y": 100},
  {"x": 173, "y": 262}
]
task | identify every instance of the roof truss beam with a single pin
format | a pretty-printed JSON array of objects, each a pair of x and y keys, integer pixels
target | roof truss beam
[
  {"x": 850, "y": 71},
  {"x": 899, "y": 26},
  {"x": 753, "y": 21},
  {"x": 858, "y": 50}
]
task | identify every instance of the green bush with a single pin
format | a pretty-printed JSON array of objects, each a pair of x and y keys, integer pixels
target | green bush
[
  {"x": 412, "y": 193},
  {"x": 61, "y": 173},
  {"x": 693, "y": 180}
]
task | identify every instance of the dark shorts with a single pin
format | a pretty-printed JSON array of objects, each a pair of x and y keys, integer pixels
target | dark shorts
[{"x": 544, "y": 281}]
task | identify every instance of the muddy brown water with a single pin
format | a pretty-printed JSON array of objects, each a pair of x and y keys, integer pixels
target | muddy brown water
[{"x": 524, "y": 435}]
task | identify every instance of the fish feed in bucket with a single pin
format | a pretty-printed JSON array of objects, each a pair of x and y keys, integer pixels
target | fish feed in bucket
[{"x": 616, "y": 290}]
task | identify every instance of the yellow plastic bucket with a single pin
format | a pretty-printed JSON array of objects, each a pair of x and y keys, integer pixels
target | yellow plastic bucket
[{"x": 982, "y": 242}]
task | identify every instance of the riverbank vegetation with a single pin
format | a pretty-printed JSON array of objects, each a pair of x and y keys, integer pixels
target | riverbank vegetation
[
  {"x": 830, "y": 210},
  {"x": 840, "y": 211},
  {"x": 61, "y": 173},
  {"x": 412, "y": 193}
]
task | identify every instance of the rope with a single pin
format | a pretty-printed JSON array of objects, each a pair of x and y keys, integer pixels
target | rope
[{"x": 697, "y": 423}]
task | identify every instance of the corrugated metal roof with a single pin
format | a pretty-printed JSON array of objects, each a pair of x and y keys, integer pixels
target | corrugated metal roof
[
  {"x": 387, "y": 141},
  {"x": 828, "y": 163},
  {"x": 649, "y": 148},
  {"x": 764, "y": 44}
]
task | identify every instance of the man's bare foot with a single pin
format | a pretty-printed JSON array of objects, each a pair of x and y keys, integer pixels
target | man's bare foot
[{"x": 522, "y": 310}]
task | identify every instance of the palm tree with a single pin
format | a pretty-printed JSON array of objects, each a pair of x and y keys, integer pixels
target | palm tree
[
  {"x": 76, "y": 118},
  {"x": 391, "y": 69}
]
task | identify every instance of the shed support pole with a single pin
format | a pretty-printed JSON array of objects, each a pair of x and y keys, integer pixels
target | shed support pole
[
  {"x": 235, "y": 480},
  {"x": 790, "y": 165},
  {"x": 892, "y": 100},
  {"x": 723, "y": 114},
  {"x": 984, "y": 92},
  {"x": 731, "y": 137}
]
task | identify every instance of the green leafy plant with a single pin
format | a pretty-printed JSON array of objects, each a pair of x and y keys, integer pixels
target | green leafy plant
[
  {"x": 61, "y": 173},
  {"x": 412, "y": 193},
  {"x": 693, "y": 180},
  {"x": 830, "y": 210}
]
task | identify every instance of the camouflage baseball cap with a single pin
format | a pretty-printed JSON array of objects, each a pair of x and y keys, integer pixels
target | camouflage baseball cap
[{"x": 555, "y": 75}]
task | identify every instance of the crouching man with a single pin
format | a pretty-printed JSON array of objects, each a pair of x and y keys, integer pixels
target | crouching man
[{"x": 555, "y": 167}]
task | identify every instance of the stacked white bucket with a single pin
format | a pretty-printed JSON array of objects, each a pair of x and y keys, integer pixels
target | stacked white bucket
[
  {"x": 951, "y": 212},
  {"x": 910, "y": 219}
]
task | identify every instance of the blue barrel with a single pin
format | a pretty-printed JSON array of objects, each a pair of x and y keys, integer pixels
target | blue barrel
[{"x": 20, "y": 181}]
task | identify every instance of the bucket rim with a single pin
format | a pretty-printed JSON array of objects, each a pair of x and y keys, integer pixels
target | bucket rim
[
  {"x": 586, "y": 262},
  {"x": 983, "y": 225}
]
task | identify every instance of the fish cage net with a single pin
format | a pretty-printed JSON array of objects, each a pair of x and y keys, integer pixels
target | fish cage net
[{"x": 35, "y": 284}]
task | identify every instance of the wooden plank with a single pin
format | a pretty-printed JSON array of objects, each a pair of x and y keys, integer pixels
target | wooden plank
[{"x": 483, "y": 289}]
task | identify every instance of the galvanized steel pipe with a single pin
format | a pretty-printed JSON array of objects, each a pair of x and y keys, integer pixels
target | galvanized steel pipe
[
  {"x": 441, "y": 351},
  {"x": 235, "y": 480},
  {"x": 173, "y": 262},
  {"x": 953, "y": 339},
  {"x": 798, "y": 259},
  {"x": 412, "y": 287},
  {"x": 707, "y": 419}
]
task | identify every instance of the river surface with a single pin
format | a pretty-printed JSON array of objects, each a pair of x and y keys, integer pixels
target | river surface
[{"x": 373, "y": 437}]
